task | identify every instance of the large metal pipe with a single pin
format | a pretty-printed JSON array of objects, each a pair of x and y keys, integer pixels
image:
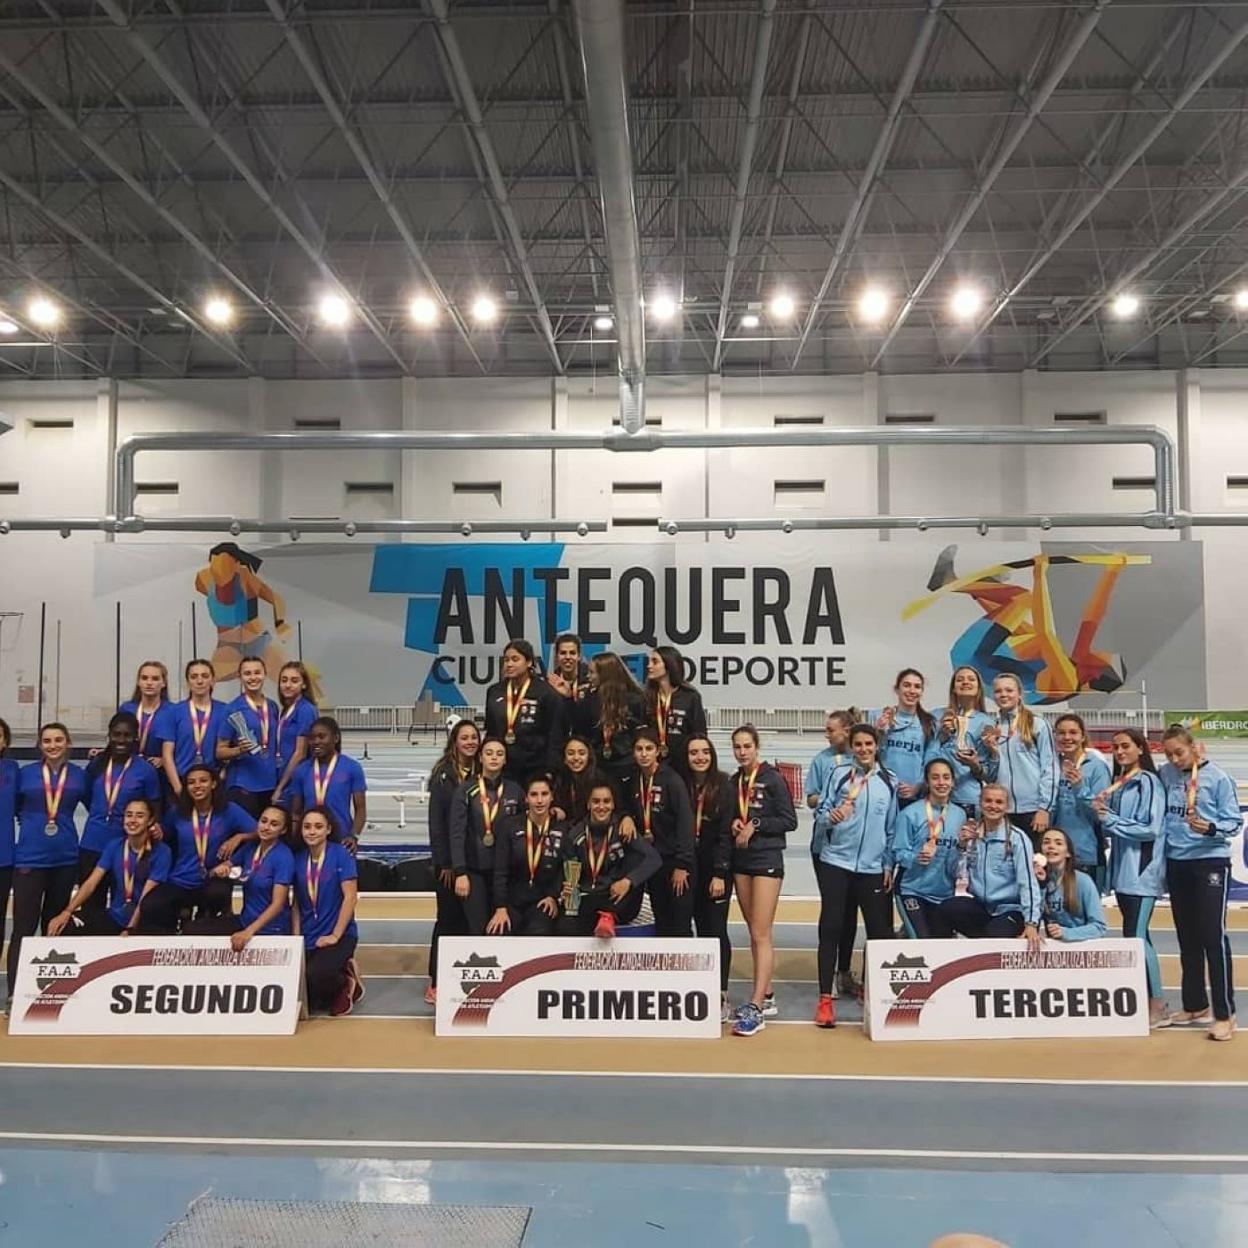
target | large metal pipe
[
  {"x": 234, "y": 525},
  {"x": 600, "y": 32},
  {"x": 1164, "y": 455},
  {"x": 793, "y": 524}
]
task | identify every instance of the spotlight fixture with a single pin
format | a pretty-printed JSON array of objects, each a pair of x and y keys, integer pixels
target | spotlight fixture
[
  {"x": 749, "y": 320},
  {"x": 966, "y": 302},
  {"x": 604, "y": 324},
  {"x": 484, "y": 310},
  {"x": 1241, "y": 299},
  {"x": 873, "y": 304},
  {"x": 782, "y": 305},
  {"x": 1125, "y": 305},
  {"x": 334, "y": 311},
  {"x": 662, "y": 307},
  {"x": 423, "y": 311},
  {"x": 218, "y": 311},
  {"x": 7, "y": 327},
  {"x": 44, "y": 313}
]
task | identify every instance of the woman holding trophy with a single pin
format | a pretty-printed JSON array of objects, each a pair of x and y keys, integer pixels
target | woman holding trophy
[
  {"x": 960, "y": 737},
  {"x": 528, "y": 867},
  {"x": 248, "y": 741}
]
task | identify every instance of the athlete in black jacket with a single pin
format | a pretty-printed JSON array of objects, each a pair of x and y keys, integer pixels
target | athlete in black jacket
[
  {"x": 526, "y": 714},
  {"x": 673, "y": 708},
  {"x": 528, "y": 868},
  {"x": 713, "y": 798}
]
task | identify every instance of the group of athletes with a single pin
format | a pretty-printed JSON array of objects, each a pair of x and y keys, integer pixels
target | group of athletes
[{"x": 585, "y": 792}]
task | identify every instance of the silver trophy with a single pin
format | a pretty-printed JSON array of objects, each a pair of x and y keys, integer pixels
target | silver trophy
[
  {"x": 572, "y": 878},
  {"x": 243, "y": 731}
]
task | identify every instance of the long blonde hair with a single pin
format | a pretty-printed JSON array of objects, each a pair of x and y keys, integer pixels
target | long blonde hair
[{"x": 1026, "y": 720}]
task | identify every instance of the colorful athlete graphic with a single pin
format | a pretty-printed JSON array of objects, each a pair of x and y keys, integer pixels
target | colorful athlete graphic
[
  {"x": 1017, "y": 633},
  {"x": 233, "y": 591}
]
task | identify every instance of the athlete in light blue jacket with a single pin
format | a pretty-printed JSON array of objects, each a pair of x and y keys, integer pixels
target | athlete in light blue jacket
[
  {"x": 923, "y": 854},
  {"x": 959, "y": 737},
  {"x": 1202, "y": 814},
  {"x": 1083, "y": 773},
  {"x": 1004, "y": 898},
  {"x": 1132, "y": 809},
  {"x": 1072, "y": 902},
  {"x": 907, "y": 731},
  {"x": 1025, "y": 758}
]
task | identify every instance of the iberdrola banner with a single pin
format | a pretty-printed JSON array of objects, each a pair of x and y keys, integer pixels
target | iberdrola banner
[{"x": 797, "y": 620}]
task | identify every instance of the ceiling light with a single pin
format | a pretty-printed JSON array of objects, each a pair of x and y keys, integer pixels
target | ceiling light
[
  {"x": 423, "y": 311},
  {"x": 1241, "y": 299},
  {"x": 7, "y": 326},
  {"x": 44, "y": 312},
  {"x": 749, "y": 320},
  {"x": 484, "y": 309},
  {"x": 966, "y": 302},
  {"x": 335, "y": 311},
  {"x": 873, "y": 304},
  {"x": 662, "y": 307},
  {"x": 782, "y": 306},
  {"x": 219, "y": 311},
  {"x": 1125, "y": 305},
  {"x": 603, "y": 324}
]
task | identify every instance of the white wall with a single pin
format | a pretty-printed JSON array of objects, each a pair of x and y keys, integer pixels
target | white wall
[{"x": 67, "y": 471}]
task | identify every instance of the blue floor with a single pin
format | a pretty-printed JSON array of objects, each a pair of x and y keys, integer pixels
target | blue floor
[{"x": 116, "y": 1199}]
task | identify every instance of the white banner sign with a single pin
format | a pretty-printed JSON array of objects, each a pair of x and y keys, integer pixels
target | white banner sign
[
  {"x": 171, "y": 985},
  {"x": 997, "y": 989},
  {"x": 543, "y": 986}
]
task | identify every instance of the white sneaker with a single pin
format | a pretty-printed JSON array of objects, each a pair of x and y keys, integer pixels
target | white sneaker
[
  {"x": 770, "y": 1008},
  {"x": 725, "y": 1011}
]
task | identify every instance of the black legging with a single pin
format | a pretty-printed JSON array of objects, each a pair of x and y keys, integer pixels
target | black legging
[
  {"x": 923, "y": 919},
  {"x": 673, "y": 915},
  {"x": 968, "y": 916},
  {"x": 39, "y": 895},
  {"x": 1198, "y": 888},
  {"x": 449, "y": 921},
  {"x": 593, "y": 904},
  {"x": 160, "y": 912},
  {"x": 253, "y": 803},
  {"x": 88, "y": 860},
  {"x": 849, "y": 933},
  {"x": 838, "y": 889},
  {"x": 710, "y": 917},
  {"x": 324, "y": 970}
]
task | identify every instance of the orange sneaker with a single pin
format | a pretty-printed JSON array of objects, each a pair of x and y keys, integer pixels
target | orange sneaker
[
  {"x": 606, "y": 925},
  {"x": 825, "y": 1011},
  {"x": 431, "y": 995}
]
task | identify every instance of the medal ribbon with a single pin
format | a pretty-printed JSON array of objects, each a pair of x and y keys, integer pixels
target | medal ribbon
[
  {"x": 262, "y": 848},
  {"x": 1125, "y": 778},
  {"x": 856, "y": 785},
  {"x": 697, "y": 816},
  {"x": 201, "y": 836},
  {"x": 314, "y": 878},
  {"x": 647, "y": 803},
  {"x": 597, "y": 860},
  {"x": 262, "y": 714},
  {"x": 1009, "y": 723},
  {"x": 199, "y": 728},
  {"x": 934, "y": 826},
  {"x": 51, "y": 798},
  {"x": 113, "y": 791},
  {"x": 515, "y": 701},
  {"x": 128, "y": 873},
  {"x": 745, "y": 790},
  {"x": 145, "y": 726},
  {"x": 662, "y": 708},
  {"x": 320, "y": 780},
  {"x": 1193, "y": 785},
  {"x": 534, "y": 850},
  {"x": 489, "y": 812}
]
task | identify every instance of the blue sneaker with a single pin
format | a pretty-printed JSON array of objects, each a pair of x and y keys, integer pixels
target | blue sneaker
[{"x": 750, "y": 1020}]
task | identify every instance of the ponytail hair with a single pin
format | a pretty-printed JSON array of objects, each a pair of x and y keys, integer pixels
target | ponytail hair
[
  {"x": 1026, "y": 719},
  {"x": 926, "y": 718}
]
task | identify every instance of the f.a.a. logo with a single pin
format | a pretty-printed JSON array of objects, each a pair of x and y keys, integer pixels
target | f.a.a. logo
[
  {"x": 475, "y": 970},
  {"x": 905, "y": 970},
  {"x": 54, "y": 967}
]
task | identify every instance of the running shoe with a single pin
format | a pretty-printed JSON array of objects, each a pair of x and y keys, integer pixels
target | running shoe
[
  {"x": 344, "y": 1002},
  {"x": 1159, "y": 1014},
  {"x": 726, "y": 1014},
  {"x": 605, "y": 928},
  {"x": 357, "y": 981},
  {"x": 1223, "y": 1029},
  {"x": 825, "y": 1012},
  {"x": 770, "y": 1008},
  {"x": 848, "y": 985},
  {"x": 1197, "y": 1018},
  {"x": 431, "y": 995},
  {"x": 749, "y": 1021}
]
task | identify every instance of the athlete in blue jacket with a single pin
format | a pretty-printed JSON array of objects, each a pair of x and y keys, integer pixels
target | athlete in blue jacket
[
  {"x": 1024, "y": 758},
  {"x": 960, "y": 737},
  {"x": 907, "y": 731},
  {"x": 923, "y": 854},
  {"x": 1083, "y": 774},
  {"x": 1072, "y": 902},
  {"x": 1004, "y": 897},
  {"x": 1202, "y": 815},
  {"x": 1132, "y": 810}
]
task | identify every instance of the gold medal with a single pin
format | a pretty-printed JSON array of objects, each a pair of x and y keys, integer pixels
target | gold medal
[{"x": 509, "y": 737}]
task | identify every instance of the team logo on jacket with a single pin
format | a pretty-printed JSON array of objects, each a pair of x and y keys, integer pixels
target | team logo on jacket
[
  {"x": 55, "y": 967},
  {"x": 1214, "y": 879},
  {"x": 905, "y": 970},
  {"x": 475, "y": 970}
]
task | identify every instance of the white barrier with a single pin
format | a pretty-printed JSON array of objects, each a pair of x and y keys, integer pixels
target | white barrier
[
  {"x": 135, "y": 985},
  {"x": 522, "y": 986},
  {"x": 997, "y": 989}
]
